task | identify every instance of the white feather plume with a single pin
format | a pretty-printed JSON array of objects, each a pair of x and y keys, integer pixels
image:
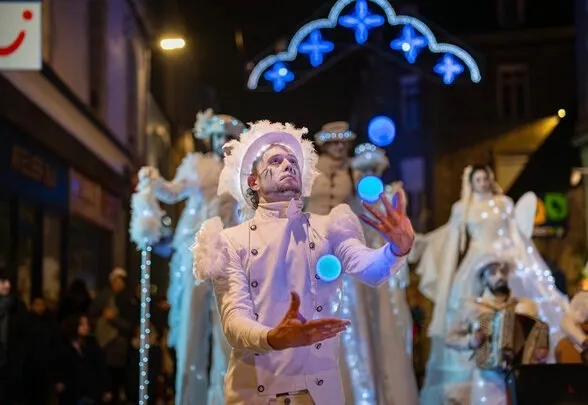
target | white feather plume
[
  {"x": 233, "y": 179},
  {"x": 145, "y": 226},
  {"x": 209, "y": 254}
]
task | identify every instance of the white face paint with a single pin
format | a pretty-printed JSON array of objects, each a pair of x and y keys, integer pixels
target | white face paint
[{"x": 277, "y": 176}]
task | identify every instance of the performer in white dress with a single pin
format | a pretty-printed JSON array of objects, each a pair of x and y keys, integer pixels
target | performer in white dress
[
  {"x": 334, "y": 184},
  {"x": 483, "y": 217},
  {"x": 386, "y": 313},
  {"x": 195, "y": 183},
  {"x": 271, "y": 265},
  {"x": 465, "y": 334}
]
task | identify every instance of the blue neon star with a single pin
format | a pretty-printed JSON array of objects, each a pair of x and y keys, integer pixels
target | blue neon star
[
  {"x": 279, "y": 75},
  {"x": 316, "y": 47},
  {"x": 409, "y": 43},
  {"x": 361, "y": 20},
  {"x": 449, "y": 68}
]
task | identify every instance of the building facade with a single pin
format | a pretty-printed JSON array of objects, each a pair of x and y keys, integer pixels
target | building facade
[{"x": 72, "y": 136}]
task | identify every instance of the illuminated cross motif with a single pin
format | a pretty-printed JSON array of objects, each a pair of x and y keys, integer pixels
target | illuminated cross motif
[
  {"x": 361, "y": 20},
  {"x": 316, "y": 47},
  {"x": 409, "y": 43},
  {"x": 449, "y": 68},
  {"x": 279, "y": 75}
]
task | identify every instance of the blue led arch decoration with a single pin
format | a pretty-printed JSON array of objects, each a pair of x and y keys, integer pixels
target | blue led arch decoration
[{"x": 361, "y": 21}]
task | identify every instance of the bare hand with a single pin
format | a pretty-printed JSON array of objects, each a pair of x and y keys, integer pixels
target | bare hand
[
  {"x": 295, "y": 331},
  {"x": 477, "y": 338},
  {"x": 394, "y": 225}
]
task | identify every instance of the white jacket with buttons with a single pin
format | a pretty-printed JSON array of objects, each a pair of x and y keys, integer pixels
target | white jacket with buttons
[{"x": 255, "y": 265}]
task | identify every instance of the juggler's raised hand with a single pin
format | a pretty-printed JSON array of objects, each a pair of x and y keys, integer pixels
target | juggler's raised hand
[
  {"x": 295, "y": 331},
  {"x": 394, "y": 225}
]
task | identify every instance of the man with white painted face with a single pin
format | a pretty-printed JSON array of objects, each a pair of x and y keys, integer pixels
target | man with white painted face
[{"x": 278, "y": 309}]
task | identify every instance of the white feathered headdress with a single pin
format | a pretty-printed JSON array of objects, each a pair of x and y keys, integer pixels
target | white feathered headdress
[{"x": 252, "y": 144}]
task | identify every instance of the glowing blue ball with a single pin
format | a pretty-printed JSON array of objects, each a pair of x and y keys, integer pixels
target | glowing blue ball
[
  {"x": 381, "y": 131},
  {"x": 370, "y": 188},
  {"x": 328, "y": 268}
]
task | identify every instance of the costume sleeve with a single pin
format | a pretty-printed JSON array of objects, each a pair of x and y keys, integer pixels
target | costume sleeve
[
  {"x": 459, "y": 333},
  {"x": 571, "y": 323},
  {"x": 370, "y": 266},
  {"x": 171, "y": 192},
  {"x": 216, "y": 258}
]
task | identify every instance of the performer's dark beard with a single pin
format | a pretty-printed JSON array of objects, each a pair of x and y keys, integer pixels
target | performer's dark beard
[
  {"x": 501, "y": 288},
  {"x": 288, "y": 189}
]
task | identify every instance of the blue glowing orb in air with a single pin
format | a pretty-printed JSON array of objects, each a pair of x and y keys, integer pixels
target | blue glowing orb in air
[
  {"x": 328, "y": 268},
  {"x": 381, "y": 131},
  {"x": 370, "y": 188}
]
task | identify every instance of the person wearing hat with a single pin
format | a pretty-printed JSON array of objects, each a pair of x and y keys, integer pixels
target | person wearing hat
[
  {"x": 111, "y": 311},
  {"x": 278, "y": 307},
  {"x": 574, "y": 324},
  {"x": 492, "y": 273},
  {"x": 334, "y": 185}
]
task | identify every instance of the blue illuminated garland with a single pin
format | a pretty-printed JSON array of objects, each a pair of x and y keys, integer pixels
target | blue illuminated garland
[{"x": 415, "y": 36}]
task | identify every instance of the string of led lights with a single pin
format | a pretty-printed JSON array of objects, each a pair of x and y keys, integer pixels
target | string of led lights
[
  {"x": 415, "y": 36},
  {"x": 145, "y": 231}
]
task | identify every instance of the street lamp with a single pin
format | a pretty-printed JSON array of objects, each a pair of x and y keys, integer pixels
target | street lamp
[
  {"x": 171, "y": 44},
  {"x": 561, "y": 113}
]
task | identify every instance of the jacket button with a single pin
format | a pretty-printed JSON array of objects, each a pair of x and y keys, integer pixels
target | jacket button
[
  {"x": 319, "y": 382},
  {"x": 311, "y": 245},
  {"x": 318, "y": 346},
  {"x": 254, "y": 252},
  {"x": 319, "y": 308},
  {"x": 253, "y": 227},
  {"x": 317, "y": 276},
  {"x": 254, "y": 284},
  {"x": 260, "y": 388}
]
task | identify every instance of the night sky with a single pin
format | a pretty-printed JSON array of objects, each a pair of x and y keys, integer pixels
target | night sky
[{"x": 328, "y": 96}]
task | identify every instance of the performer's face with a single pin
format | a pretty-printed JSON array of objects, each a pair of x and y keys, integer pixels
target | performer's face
[
  {"x": 336, "y": 149},
  {"x": 480, "y": 182},
  {"x": 277, "y": 176},
  {"x": 4, "y": 287},
  {"x": 496, "y": 278}
]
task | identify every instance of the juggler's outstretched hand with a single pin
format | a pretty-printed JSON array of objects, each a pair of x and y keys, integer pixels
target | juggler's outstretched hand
[{"x": 295, "y": 331}]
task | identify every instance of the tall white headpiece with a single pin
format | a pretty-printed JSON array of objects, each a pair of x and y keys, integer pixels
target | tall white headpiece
[
  {"x": 251, "y": 146},
  {"x": 369, "y": 156},
  {"x": 208, "y": 124},
  {"x": 334, "y": 131}
]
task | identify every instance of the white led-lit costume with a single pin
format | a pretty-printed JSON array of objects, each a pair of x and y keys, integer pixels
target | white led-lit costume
[
  {"x": 488, "y": 221},
  {"x": 386, "y": 312},
  {"x": 334, "y": 184},
  {"x": 488, "y": 386},
  {"x": 195, "y": 183},
  {"x": 218, "y": 130},
  {"x": 279, "y": 247}
]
